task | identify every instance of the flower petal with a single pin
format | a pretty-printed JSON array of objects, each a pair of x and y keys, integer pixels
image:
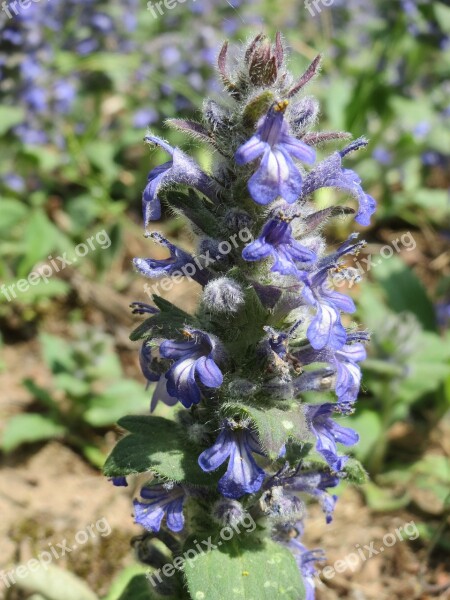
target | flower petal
[
  {"x": 213, "y": 457},
  {"x": 250, "y": 150},
  {"x": 208, "y": 372},
  {"x": 298, "y": 149}
]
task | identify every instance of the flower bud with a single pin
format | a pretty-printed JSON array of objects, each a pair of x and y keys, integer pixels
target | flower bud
[
  {"x": 237, "y": 220},
  {"x": 279, "y": 506},
  {"x": 223, "y": 295},
  {"x": 304, "y": 113},
  {"x": 228, "y": 512},
  {"x": 264, "y": 60}
]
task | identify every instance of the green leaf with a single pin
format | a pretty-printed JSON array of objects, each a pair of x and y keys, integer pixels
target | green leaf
[
  {"x": 275, "y": 426},
  {"x": 158, "y": 445},
  {"x": 51, "y": 288},
  {"x": 57, "y": 353},
  {"x": 245, "y": 569},
  {"x": 72, "y": 385},
  {"x": 93, "y": 454},
  {"x": 55, "y": 583},
  {"x": 138, "y": 589},
  {"x": 124, "y": 579},
  {"x": 42, "y": 395},
  {"x": 404, "y": 291},
  {"x": 196, "y": 210},
  {"x": 101, "y": 154},
  {"x": 10, "y": 116},
  {"x": 384, "y": 500},
  {"x": 367, "y": 424},
  {"x": 29, "y": 428},
  {"x": 13, "y": 211},
  {"x": 108, "y": 407},
  {"x": 355, "y": 472},
  {"x": 42, "y": 238},
  {"x": 428, "y": 367}
]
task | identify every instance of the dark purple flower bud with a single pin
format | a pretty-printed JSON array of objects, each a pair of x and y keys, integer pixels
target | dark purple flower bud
[
  {"x": 160, "y": 501},
  {"x": 142, "y": 308},
  {"x": 235, "y": 443},
  {"x": 119, "y": 481},
  {"x": 277, "y": 175}
]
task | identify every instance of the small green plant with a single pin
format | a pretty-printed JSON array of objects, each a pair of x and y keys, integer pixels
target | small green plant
[{"x": 88, "y": 392}]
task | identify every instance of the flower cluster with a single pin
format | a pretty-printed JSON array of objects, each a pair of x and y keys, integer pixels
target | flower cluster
[
  {"x": 270, "y": 325},
  {"x": 32, "y": 37}
]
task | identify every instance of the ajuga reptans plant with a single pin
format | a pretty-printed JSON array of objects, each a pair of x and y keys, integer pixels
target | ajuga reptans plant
[{"x": 244, "y": 446}]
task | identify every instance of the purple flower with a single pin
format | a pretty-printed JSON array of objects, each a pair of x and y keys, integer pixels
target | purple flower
[
  {"x": 328, "y": 433},
  {"x": 306, "y": 560},
  {"x": 277, "y": 175},
  {"x": 14, "y": 182},
  {"x": 329, "y": 173},
  {"x": 64, "y": 94},
  {"x": 145, "y": 360},
  {"x": 176, "y": 263},
  {"x": 162, "y": 500},
  {"x": 144, "y": 118},
  {"x": 326, "y": 328},
  {"x": 344, "y": 361},
  {"x": 315, "y": 484},
  {"x": 194, "y": 358},
  {"x": 276, "y": 240},
  {"x": 181, "y": 169},
  {"x": 160, "y": 394},
  {"x": 236, "y": 443}
]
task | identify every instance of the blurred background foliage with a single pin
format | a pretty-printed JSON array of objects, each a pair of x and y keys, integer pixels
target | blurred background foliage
[{"x": 80, "y": 83}]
